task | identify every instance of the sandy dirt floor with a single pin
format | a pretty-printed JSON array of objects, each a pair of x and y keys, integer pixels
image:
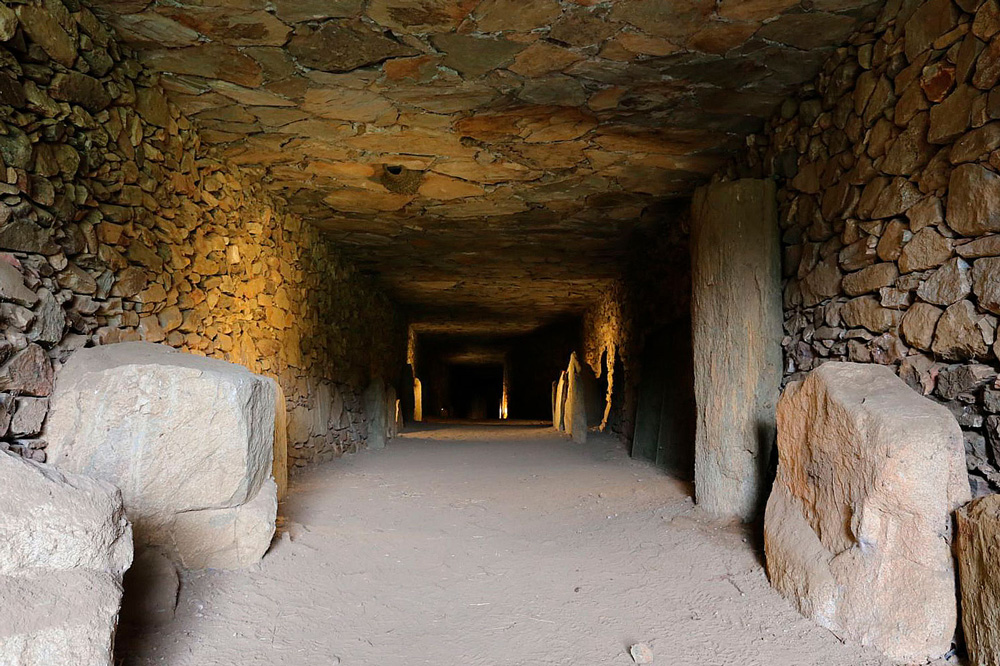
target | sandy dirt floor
[{"x": 469, "y": 545}]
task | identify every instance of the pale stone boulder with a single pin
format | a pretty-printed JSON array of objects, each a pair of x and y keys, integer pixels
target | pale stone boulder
[
  {"x": 184, "y": 437},
  {"x": 858, "y": 526},
  {"x": 227, "y": 538},
  {"x": 65, "y": 544},
  {"x": 559, "y": 414},
  {"x": 978, "y": 563}
]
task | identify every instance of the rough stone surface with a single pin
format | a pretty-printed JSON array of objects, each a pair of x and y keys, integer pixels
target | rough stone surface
[
  {"x": 279, "y": 467},
  {"x": 379, "y": 416},
  {"x": 125, "y": 222},
  {"x": 909, "y": 96},
  {"x": 736, "y": 315},
  {"x": 540, "y": 108},
  {"x": 190, "y": 461},
  {"x": 575, "y": 410},
  {"x": 978, "y": 527},
  {"x": 64, "y": 545},
  {"x": 858, "y": 525}
]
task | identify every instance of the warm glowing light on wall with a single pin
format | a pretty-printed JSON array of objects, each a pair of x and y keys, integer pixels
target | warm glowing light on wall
[{"x": 506, "y": 385}]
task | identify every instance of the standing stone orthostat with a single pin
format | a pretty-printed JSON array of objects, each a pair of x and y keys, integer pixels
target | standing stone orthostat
[
  {"x": 858, "y": 526},
  {"x": 188, "y": 439},
  {"x": 575, "y": 414},
  {"x": 978, "y": 547},
  {"x": 736, "y": 328}
]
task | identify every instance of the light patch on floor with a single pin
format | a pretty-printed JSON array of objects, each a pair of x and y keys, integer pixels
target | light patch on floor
[{"x": 486, "y": 545}]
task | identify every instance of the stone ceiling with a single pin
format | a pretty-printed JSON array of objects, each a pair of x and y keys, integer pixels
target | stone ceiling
[{"x": 483, "y": 156}]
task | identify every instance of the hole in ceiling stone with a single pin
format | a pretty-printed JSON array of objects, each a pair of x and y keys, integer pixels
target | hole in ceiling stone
[{"x": 397, "y": 178}]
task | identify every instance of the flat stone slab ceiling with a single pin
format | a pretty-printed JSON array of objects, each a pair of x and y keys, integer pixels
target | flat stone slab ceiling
[{"x": 490, "y": 155}]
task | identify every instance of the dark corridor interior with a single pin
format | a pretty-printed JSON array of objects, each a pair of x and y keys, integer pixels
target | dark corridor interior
[{"x": 475, "y": 391}]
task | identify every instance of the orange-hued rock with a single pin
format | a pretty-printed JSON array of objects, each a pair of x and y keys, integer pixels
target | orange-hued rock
[
  {"x": 436, "y": 186},
  {"x": 857, "y": 532},
  {"x": 978, "y": 530}
]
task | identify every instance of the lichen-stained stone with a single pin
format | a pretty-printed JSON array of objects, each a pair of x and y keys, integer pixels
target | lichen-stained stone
[
  {"x": 978, "y": 528},
  {"x": 186, "y": 439},
  {"x": 64, "y": 546},
  {"x": 736, "y": 324},
  {"x": 857, "y": 532}
]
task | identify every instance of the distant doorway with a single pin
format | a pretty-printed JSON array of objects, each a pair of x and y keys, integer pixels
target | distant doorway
[{"x": 475, "y": 391}]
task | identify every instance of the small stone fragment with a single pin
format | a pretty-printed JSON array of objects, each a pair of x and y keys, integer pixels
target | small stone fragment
[{"x": 641, "y": 653}]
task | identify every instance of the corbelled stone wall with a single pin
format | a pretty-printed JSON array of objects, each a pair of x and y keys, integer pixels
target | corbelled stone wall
[
  {"x": 890, "y": 203},
  {"x": 116, "y": 224}
]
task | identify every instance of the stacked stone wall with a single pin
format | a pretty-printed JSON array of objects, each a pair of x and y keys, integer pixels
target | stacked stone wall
[
  {"x": 890, "y": 210},
  {"x": 117, "y": 224}
]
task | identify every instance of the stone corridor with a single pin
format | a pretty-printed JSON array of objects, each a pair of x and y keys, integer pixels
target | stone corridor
[
  {"x": 485, "y": 545},
  {"x": 560, "y": 331}
]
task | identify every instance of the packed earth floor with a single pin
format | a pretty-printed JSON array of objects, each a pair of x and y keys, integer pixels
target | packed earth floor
[{"x": 481, "y": 544}]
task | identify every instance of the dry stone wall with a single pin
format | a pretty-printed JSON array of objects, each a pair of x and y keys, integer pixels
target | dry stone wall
[
  {"x": 889, "y": 195},
  {"x": 117, "y": 224}
]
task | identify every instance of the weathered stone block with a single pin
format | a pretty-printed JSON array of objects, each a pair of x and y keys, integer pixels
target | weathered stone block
[
  {"x": 736, "y": 326},
  {"x": 978, "y": 561},
  {"x": 64, "y": 545},
  {"x": 575, "y": 416},
  {"x": 279, "y": 466},
  {"x": 377, "y": 411},
  {"x": 858, "y": 526},
  {"x": 184, "y": 437},
  {"x": 559, "y": 415}
]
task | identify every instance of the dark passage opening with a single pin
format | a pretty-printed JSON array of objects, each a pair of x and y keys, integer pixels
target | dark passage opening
[{"x": 475, "y": 391}]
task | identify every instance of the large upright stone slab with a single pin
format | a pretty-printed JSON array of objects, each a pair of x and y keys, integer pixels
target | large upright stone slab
[
  {"x": 978, "y": 549},
  {"x": 380, "y": 419},
  {"x": 736, "y": 329},
  {"x": 858, "y": 526},
  {"x": 575, "y": 414},
  {"x": 559, "y": 415},
  {"x": 279, "y": 466},
  {"x": 64, "y": 545},
  {"x": 189, "y": 440}
]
